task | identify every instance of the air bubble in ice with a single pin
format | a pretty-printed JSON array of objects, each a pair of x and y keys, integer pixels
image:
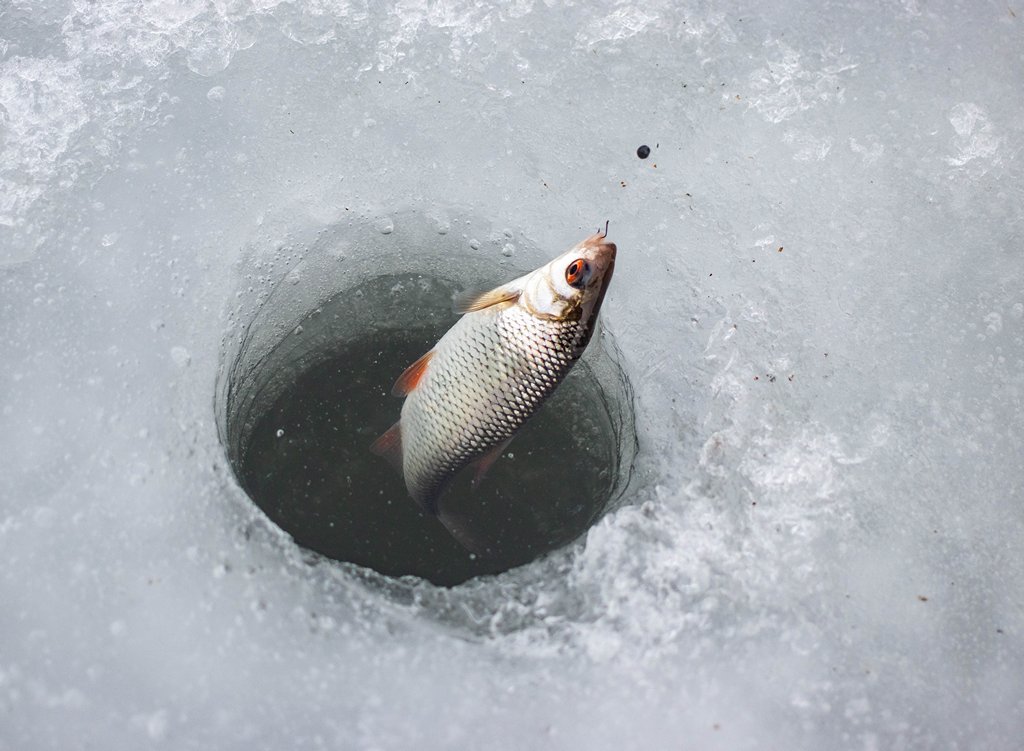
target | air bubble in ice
[
  {"x": 993, "y": 323},
  {"x": 180, "y": 356}
]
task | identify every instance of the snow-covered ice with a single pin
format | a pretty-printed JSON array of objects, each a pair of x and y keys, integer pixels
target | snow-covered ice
[{"x": 819, "y": 300}]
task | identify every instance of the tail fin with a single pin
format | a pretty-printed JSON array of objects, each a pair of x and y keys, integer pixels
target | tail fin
[{"x": 460, "y": 526}]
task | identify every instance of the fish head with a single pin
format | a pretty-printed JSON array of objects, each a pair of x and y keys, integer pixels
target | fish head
[{"x": 573, "y": 285}]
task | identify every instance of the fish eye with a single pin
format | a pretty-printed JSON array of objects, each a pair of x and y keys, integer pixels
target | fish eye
[{"x": 577, "y": 272}]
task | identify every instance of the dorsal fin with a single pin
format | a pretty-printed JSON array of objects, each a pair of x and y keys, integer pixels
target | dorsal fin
[
  {"x": 410, "y": 378},
  {"x": 471, "y": 302},
  {"x": 389, "y": 446}
]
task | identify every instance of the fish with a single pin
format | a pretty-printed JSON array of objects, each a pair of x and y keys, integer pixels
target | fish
[{"x": 467, "y": 397}]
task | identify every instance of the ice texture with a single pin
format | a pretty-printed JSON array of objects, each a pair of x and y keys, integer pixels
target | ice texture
[{"x": 819, "y": 300}]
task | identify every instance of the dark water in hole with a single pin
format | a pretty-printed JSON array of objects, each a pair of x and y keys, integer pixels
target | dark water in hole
[{"x": 307, "y": 464}]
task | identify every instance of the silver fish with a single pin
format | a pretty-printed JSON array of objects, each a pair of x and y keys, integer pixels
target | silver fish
[{"x": 466, "y": 398}]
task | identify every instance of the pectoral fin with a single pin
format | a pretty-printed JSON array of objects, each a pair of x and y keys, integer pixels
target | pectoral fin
[
  {"x": 412, "y": 375},
  {"x": 471, "y": 302}
]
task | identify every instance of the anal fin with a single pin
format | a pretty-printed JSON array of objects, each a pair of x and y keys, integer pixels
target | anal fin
[
  {"x": 485, "y": 462},
  {"x": 389, "y": 446}
]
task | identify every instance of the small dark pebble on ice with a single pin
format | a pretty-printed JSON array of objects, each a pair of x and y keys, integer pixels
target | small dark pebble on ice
[{"x": 643, "y": 152}]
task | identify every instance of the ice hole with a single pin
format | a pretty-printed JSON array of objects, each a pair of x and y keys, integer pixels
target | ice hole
[{"x": 300, "y": 411}]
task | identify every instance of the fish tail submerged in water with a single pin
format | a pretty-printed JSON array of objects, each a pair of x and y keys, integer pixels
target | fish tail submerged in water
[{"x": 466, "y": 398}]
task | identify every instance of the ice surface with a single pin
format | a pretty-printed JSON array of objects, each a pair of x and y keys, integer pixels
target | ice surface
[{"x": 819, "y": 299}]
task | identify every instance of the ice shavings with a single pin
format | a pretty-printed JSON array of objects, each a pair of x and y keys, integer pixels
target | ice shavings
[
  {"x": 975, "y": 135},
  {"x": 42, "y": 110},
  {"x": 792, "y": 82}
]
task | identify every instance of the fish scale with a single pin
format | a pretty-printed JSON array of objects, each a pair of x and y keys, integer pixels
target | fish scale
[
  {"x": 489, "y": 373},
  {"x": 461, "y": 409}
]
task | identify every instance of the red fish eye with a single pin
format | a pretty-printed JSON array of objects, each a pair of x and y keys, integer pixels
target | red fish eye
[{"x": 575, "y": 272}]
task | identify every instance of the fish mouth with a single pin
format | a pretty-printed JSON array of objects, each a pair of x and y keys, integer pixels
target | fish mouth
[
  {"x": 601, "y": 254},
  {"x": 599, "y": 243},
  {"x": 609, "y": 267},
  {"x": 599, "y": 251}
]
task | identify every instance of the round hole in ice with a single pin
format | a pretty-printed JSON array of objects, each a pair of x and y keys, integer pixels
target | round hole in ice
[{"x": 306, "y": 389}]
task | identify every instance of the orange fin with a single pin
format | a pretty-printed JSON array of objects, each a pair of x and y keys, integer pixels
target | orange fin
[
  {"x": 389, "y": 445},
  {"x": 485, "y": 462},
  {"x": 412, "y": 375},
  {"x": 474, "y": 301}
]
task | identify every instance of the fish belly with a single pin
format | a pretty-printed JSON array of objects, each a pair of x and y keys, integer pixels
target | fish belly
[{"x": 488, "y": 374}]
